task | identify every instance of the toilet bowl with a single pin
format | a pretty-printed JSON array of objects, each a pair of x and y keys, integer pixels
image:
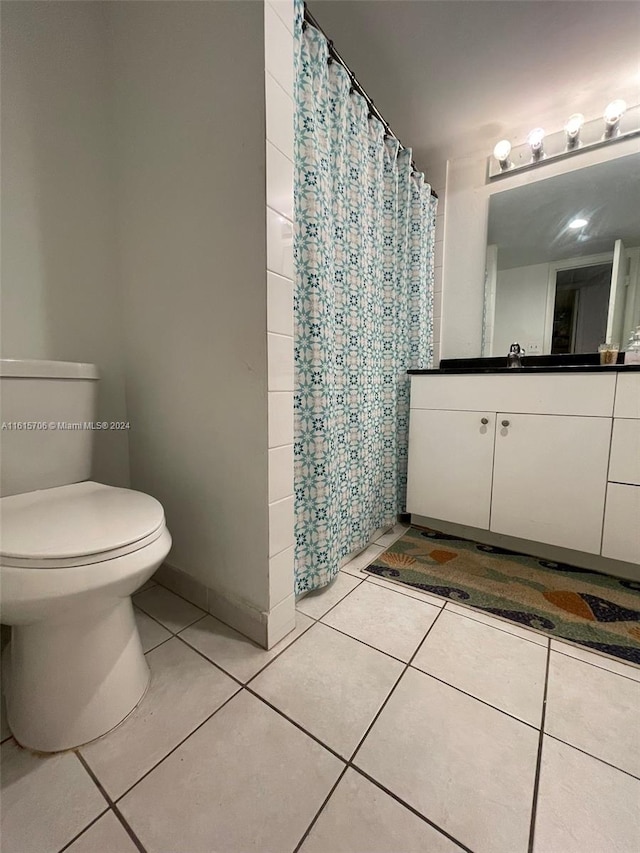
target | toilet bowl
[
  {"x": 71, "y": 555},
  {"x": 71, "y": 558}
]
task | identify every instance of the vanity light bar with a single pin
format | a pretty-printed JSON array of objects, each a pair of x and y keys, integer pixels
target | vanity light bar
[{"x": 618, "y": 122}]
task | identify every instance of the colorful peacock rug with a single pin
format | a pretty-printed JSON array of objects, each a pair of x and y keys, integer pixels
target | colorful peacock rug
[{"x": 568, "y": 603}]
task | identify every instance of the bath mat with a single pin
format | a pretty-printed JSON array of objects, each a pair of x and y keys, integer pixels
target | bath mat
[{"x": 585, "y": 607}]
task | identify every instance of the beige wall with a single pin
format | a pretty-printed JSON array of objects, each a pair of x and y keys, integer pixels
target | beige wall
[
  {"x": 60, "y": 295},
  {"x": 190, "y": 120}
]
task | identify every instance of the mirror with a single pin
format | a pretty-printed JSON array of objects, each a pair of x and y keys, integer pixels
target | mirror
[{"x": 563, "y": 261}]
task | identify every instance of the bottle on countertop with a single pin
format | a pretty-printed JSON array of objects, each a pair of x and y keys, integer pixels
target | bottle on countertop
[
  {"x": 516, "y": 354},
  {"x": 632, "y": 353}
]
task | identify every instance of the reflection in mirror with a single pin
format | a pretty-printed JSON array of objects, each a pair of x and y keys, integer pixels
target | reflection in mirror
[{"x": 563, "y": 261}]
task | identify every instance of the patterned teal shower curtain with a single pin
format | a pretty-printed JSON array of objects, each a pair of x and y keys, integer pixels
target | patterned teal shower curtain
[{"x": 364, "y": 240}]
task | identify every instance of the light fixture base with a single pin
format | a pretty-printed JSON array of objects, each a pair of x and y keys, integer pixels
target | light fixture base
[{"x": 557, "y": 145}]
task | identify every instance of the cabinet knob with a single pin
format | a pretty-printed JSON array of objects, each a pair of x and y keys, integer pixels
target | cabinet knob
[
  {"x": 505, "y": 423},
  {"x": 484, "y": 421}
]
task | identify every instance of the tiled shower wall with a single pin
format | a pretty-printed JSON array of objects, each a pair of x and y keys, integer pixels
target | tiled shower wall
[{"x": 278, "y": 33}]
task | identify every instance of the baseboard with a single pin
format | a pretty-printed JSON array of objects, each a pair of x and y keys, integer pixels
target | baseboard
[
  {"x": 594, "y": 562},
  {"x": 266, "y": 628},
  {"x": 183, "y": 584}
]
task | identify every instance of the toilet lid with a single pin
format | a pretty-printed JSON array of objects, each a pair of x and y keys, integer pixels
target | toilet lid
[{"x": 76, "y": 520}]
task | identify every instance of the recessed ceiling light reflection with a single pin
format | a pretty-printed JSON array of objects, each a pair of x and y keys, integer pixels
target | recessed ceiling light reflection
[{"x": 578, "y": 223}]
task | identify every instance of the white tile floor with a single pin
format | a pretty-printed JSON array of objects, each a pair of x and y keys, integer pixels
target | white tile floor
[{"x": 388, "y": 722}]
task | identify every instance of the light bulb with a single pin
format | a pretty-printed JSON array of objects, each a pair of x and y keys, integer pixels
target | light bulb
[
  {"x": 578, "y": 223},
  {"x": 535, "y": 141},
  {"x": 612, "y": 115},
  {"x": 572, "y": 128},
  {"x": 614, "y": 111},
  {"x": 501, "y": 153}
]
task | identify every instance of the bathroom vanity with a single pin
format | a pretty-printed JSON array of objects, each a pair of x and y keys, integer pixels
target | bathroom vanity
[{"x": 549, "y": 455}]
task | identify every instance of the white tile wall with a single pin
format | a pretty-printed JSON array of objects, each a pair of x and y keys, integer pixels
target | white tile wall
[
  {"x": 278, "y": 49},
  {"x": 279, "y": 304},
  {"x": 279, "y": 182},
  {"x": 280, "y": 472},
  {"x": 279, "y": 83},
  {"x": 281, "y": 575},
  {"x": 284, "y": 10},
  {"x": 280, "y": 355},
  {"x": 282, "y": 620},
  {"x": 279, "y": 115},
  {"x": 279, "y": 244},
  {"x": 280, "y": 526},
  {"x": 280, "y": 418}
]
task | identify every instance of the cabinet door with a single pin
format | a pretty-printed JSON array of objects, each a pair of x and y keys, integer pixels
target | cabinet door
[
  {"x": 450, "y": 462},
  {"x": 549, "y": 479},
  {"x": 621, "y": 537}
]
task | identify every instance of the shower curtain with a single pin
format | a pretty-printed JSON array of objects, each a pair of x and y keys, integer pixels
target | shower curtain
[{"x": 363, "y": 246}]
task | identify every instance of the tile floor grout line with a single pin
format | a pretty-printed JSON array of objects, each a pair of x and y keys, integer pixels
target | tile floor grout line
[
  {"x": 161, "y": 643},
  {"x": 410, "y": 664},
  {"x": 179, "y": 594},
  {"x": 362, "y": 580},
  {"x": 177, "y": 746},
  {"x": 305, "y": 834},
  {"x": 470, "y": 615},
  {"x": 275, "y": 658},
  {"x": 227, "y": 672},
  {"x": 84, "y": 829},
  {"x": 93, "y": 776},
  {"x": 125, "y": 825},
  {"x": 591, "y": 755},
  {"x": 536, "y": 778},
  {"x": 391, "y": 587},
  {"x": 597, "y": 665},
  {"x": 153, "y": 618},
  {"x": 477, "y": 698},
  {"x": 134, "y": 838},
  {"x": 297, "y": 725},
  {"x": 208, "y": 660},
  {"x": 409, "y": 807},
  {"x": 363, "y": 643},
  {"x": 400, "y": 677}
]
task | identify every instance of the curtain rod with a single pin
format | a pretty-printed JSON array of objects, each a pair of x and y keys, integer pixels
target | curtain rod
[{"x": 356, "y": 85}]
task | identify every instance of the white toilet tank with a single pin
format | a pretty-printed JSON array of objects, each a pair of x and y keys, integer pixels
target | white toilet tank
[{"x": 47, "y": 409}]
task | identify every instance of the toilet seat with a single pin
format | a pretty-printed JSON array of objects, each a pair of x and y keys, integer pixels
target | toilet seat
[{"x": 77, "y": 525}]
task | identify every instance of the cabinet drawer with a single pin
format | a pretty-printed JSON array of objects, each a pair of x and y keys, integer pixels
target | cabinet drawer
[
  {"x": 589, "y": 394},
  {"x": 624, "y": 463},
  {"x": 627, "y": 396},
  {"x": 621, "y": 537}
]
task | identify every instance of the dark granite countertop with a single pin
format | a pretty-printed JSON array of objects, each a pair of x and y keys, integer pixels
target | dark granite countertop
[{"x": 587, "y": 363}]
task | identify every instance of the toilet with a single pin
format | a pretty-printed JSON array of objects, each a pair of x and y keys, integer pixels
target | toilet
[{"x": 72, "y": 553}]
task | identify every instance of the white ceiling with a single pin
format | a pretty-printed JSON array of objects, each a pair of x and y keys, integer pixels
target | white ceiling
[{"x": 452, "y": 77}]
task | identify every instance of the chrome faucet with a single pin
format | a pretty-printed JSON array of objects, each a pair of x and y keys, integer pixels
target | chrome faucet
[{"x": 516, "y": 354}]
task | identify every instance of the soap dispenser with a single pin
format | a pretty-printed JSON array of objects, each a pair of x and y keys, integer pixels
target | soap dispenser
[{"x": 514, "y": 359}]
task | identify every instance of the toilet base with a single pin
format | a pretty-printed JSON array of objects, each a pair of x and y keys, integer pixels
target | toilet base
[{"x": 71, "y": 681}]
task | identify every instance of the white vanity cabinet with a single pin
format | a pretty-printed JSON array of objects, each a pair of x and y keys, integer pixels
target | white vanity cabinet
[
  {"x": 451, "y": 458},
  {"x": 550, "y": 479},
  {"x": 528, "y": 456},
  {"x": 621, "y": 534}
]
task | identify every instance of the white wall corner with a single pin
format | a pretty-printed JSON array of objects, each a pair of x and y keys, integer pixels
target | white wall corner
[{"x": 281, "y": 621}]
